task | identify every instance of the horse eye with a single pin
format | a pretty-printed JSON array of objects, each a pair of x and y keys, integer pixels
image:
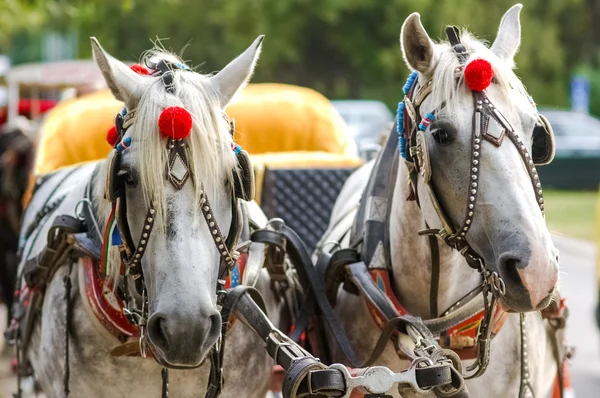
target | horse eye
[
  {"x": 440, "y": 136},
  {"x": 129, "y": 177}
]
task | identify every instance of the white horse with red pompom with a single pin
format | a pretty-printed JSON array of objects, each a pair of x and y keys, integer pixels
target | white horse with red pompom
[
  {"x": 458, "y": 194},
  {"x": 142, "y": 242}
]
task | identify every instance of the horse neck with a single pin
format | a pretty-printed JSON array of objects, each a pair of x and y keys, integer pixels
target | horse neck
[{"x": 412, "y": 259}]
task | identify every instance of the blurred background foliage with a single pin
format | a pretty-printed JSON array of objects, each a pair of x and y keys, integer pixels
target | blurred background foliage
[{"x": 343, "y": 48}]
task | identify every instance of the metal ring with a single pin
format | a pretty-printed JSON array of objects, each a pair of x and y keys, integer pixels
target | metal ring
[
  {"x": 81, "y": 217},
  {"x": 415, "y": 335},
  {"x": 498, "y": 283},
  {"x": 418, "y": 360}
]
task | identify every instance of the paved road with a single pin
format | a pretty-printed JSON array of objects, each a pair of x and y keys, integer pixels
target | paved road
[{"x": 578, "y": 283}]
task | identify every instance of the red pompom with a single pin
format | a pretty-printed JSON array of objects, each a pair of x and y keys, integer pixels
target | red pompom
[
  {"x": 140, "y": 69},
  {"x": 112, "y": 136},
  {"x": 175, "y": 122},
  {"x": 478, "y": 74}
]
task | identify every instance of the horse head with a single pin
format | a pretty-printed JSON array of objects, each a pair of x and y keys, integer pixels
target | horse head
[
  {"x": 478, "y": 139},
  {"x": 169, "y": 193}
]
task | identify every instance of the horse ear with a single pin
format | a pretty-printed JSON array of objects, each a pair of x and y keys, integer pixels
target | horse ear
[
  {"x": 417, "y": 47},
  {"x": 121, "y": 80},
  {"x": 237, "y": 73},
  {"x": 509, "y": 35}
]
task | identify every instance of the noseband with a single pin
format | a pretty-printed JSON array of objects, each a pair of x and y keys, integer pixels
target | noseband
[{"x": 488, "y": 125}]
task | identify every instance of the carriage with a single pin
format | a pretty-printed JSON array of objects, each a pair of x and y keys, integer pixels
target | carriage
[
  {"x": 33, "y": 89},
  {"x": 329, "y": 251}
]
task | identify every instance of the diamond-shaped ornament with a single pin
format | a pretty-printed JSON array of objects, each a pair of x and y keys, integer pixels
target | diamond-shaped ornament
[
  {"x": 177, "y": 169},
  {"x": 178, "y": 172},
  {"x": 495, "y": 132}
]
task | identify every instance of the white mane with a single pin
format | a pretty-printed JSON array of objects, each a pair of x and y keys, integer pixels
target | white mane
[
  {"x": 445, "y": 87},
  {"x": 209, "y": 143},
  {"x": 210, "y": 155}
]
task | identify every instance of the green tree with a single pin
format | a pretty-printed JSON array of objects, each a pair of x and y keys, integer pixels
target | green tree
[{"x": 343, "y": 48}]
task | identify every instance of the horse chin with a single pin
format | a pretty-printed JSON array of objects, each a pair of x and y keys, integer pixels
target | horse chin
[
  {"x": 518, "y": 306},
  {"x": 164, "y": 362}
]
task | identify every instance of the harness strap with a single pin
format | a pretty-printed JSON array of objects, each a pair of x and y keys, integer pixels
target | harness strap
[
  {"x": 435, "y": 276},
  {"x": 405, "y": 324},
  {"x": 40, "y": 269},
  {"x": 298, "y": 254},
  {"x": 305, "y": 375}
]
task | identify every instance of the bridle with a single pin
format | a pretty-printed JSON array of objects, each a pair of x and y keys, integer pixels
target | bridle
[
  {"x": 489, "y": 125},
  {"x": 177, "y": 172}
]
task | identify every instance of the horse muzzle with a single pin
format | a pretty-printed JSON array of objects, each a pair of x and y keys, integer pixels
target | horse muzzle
[{"x": 180, "y": 341}]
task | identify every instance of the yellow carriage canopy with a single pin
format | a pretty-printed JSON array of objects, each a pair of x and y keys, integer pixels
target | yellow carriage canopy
[{"x": 268, "y": 117}]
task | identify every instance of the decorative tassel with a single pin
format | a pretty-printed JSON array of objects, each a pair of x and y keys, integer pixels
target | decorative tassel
[
  {"x": 409, "y": 82},
  {"x": 426, "y": 122},
  {"x": 400, "y": 128},
  {"x": 400, "y": 114},
  {"x": 126, "y": 143},
  {"x": 236, "y": 148}
]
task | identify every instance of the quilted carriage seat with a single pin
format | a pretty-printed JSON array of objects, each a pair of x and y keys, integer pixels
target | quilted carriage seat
[{"x": 293, "y": 134}]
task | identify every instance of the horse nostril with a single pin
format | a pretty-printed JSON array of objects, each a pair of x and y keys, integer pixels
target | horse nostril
[
  {"x": 508, "y": 268},
  {"x": 158, "y": 332}
]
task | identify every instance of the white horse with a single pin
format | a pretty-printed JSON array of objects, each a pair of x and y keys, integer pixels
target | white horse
[
  {"x": 507, "y": 227},
  {"x": 176, "y": 242}
]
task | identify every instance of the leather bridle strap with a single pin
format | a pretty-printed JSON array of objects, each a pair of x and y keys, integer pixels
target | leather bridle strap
[
  {"x": 435, "y": 276},
  {"x": 305, "y": 375}
]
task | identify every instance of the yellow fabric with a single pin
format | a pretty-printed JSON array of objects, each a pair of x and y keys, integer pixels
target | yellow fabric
[
  {"x": 269, "y": 117},
  {"x": 75, "y": 131},
  {"x": 273, "y": 117},
  {"x": 279, "y": 125},
  {"x": 297, "y": 159}
]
